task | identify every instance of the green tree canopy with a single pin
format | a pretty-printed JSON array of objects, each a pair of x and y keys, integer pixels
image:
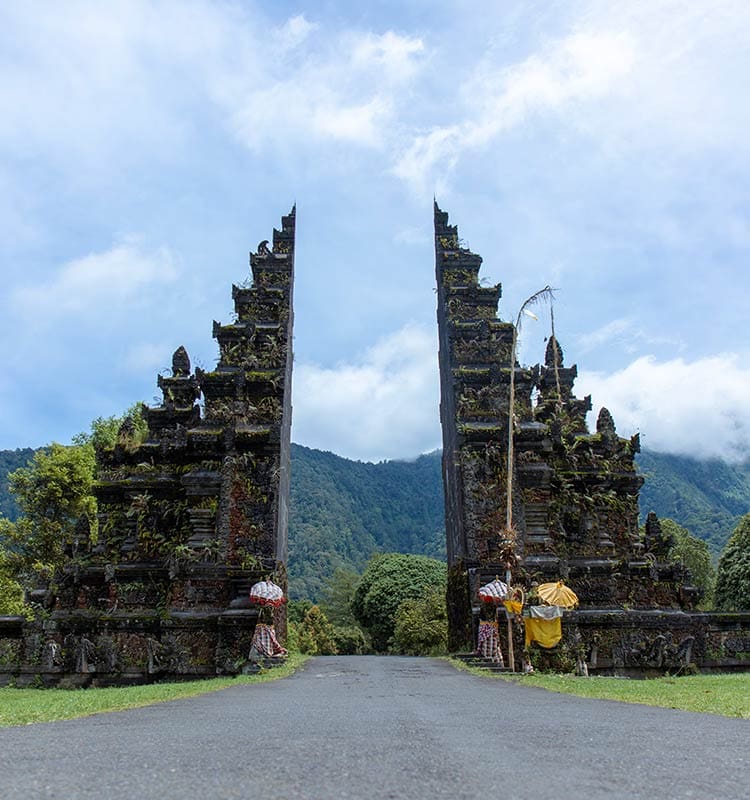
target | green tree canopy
[
  {"x": 11, "y": 592},
  {"x": 387, "y": 581},
  {"x": 421, "y": 625},
  {"x": 695, "y": 554},
  {"x": 733, "y": 573},
  {"x": 53, "y": 493},
  {"x": 106, "y": 431},
  {"x": 338, "y": 593},
  {"x": 315, "y": 634}
]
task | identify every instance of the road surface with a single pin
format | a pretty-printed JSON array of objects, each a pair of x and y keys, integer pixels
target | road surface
[{"x": 380, "y": 727}]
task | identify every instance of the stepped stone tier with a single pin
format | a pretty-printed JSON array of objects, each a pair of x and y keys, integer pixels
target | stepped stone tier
[
  {"x": 189, "y": 518},
  {"x": 574, "y": 496}
]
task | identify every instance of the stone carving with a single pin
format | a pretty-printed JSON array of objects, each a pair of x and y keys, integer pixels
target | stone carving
[
  {"x": 605, "y": 424},
  {"x": 160, "y": 656},
  {"x": 180, "y": 363},
  {"x": 659, "y": 652},
  {"x": 85, "y": 654},
  {"x": 51, "y": 656}
]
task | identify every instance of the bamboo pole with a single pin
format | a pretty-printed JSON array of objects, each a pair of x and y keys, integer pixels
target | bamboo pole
[
  {"x": 509, "y": 618},
  {"x": 545, "y": 293}
]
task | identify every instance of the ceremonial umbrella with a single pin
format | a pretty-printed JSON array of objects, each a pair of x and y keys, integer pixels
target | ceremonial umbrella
[
  {"x": 558, "y": 594},
  {"x": 267, "y": 593},
  {"x": 494, "y": 592}
]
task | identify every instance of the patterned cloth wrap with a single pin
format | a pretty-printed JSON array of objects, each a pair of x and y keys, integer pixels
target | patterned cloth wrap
[
  {"x": 543, "y": 625},
  {"x": 265, "y": 642},
  {"x": 488, "y": 642}
]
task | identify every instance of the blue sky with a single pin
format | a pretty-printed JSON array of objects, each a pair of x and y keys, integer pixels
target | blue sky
[{"x": 600, "y": 147}]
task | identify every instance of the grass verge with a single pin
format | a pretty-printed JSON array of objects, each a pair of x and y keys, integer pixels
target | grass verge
[
  {"x": 25, "y": 706},
  {"x": 727, "y": 694}
]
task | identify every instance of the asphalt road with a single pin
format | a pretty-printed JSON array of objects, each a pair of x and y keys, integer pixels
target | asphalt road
[{"x": 380, "y": 727}]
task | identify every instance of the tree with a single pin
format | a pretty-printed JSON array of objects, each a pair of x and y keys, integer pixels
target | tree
[
  {"x": 338, "y": 593},
  {"x": 11, "y": 592},
  {"x": 733, "y": 573},
  {"x": 315, "y": 634},
  {"x": 387, "y": 581},
  {"x": 421, "y": 627},
  {"x": 106, "y": 432},
  {"x": 11, "y": 460},
  {"x": 296, "y": 610},
  {"x": 351, "y": 640},
  {"x": 695, "y": 554},
  {"x": 53, "y": 493}
]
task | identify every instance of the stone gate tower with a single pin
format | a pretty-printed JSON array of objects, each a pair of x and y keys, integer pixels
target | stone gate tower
[
  {"x": 575, "y": 494},
  {"x": 189, "y": 516}
]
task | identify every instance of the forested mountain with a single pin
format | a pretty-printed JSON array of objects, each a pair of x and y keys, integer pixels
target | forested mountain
[
  {"x": 342, "y": 511},
  {"x": 706, "y": 497},
  {"x": 11, "y": 460}
]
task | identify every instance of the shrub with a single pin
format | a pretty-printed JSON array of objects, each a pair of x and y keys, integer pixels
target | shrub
[
  {"x": 387, "y": 581},
  {"x": 314, "y": 634},
  {"x": 421, "y": 626},
  {"x": 350, "y": 640}
]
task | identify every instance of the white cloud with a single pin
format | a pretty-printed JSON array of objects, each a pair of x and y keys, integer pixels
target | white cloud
[
  {"x": 615, "y": 330},
  {"x": 93, "y": 84},
  {"x": 684, "y": 88},
  {"x": 357, "y": 123},
  {"x": 642, "y": 77},
  {"x": 576, "y": 68},
  {"x": 294, "y": 31},
  {"x": 440, "y": 147},
  {"x": 346, "y": 91},
  {"x": 86, "y": 84},
  {"x": 148, "y": 357},
  {"x": 699, "y": 408},
  {"x": 383, "y": 405},
  {"x": 97, "y": 284},
  {"x": 394, "y": 56},
  {"x": 623, "y": 333}
]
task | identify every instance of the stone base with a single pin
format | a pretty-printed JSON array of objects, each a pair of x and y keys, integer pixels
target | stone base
[
  {"x": 640, "y": 643},
  {"x": 79, "y": 649},
  {"x": 649, "y": 642}
]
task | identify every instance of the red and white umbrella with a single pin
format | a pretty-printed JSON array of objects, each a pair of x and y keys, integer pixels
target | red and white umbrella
[
  {"x": 267, "y": 593},
  {"x": 494, "y": 592}
]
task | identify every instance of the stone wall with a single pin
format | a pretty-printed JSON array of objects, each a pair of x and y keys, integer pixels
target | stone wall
[{"x": 650, "y": 642}]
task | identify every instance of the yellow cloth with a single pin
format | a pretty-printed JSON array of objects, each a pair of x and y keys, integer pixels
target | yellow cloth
[
  {"x": 514, "y": 606},
  {"x": 546, "y": 632}
]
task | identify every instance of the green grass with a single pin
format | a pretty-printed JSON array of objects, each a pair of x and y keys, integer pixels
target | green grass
[
  {"x": 25, "y": 706},
  {"x": 725, "y": 694}
]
